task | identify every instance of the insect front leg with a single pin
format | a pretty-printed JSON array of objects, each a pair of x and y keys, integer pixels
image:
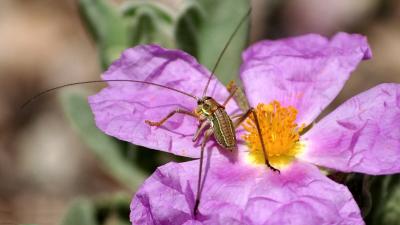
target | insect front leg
[
  {"x": 207, "y": 135},
  {"x": 238, "y": 95},
  {"x": 204, "y": 124},
  {"x": 240, "y": 121},
  {"x": 178, "y": 110},
  {"x": 232, "y": 88}
]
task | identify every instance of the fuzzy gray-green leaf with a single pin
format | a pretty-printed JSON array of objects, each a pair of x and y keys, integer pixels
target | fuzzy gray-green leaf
[
  {"x": 107, "y": 27},
  {"x": 204, "y": 28},
  {"x": 81, "y": 211},
  {"x": 149, "y": 23}
]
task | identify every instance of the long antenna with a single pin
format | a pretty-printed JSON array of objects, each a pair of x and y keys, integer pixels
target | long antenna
[
  {"x": 224, "y": 49},
  {"x": 101, "y": 81}
]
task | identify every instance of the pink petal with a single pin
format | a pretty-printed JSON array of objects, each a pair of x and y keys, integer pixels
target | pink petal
[
  {"x": 306, "y": 72},
  {"x": 362, "y": 135},
  {"x": 242, "y": 194},
  {"x": 121, "y": 109}
]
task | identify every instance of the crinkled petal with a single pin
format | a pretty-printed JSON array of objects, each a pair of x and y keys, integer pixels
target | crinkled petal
[
  {"x": 306, "y": 72},
  {"x": 362, "y": 135},
  {"x": 243, "y": 194},
  {"x": 121, "y": 109}
]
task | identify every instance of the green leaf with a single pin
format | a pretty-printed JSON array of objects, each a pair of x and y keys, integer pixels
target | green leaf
[
  {"x": 149, "y": 23},
  {"x": 107, "y": 27},
  {"x": 360, "y": 186},
  {"x": 385, "y": 201},
  {"x": 187, "y": 28},
  {"x": 204, "y": 28},
  {"x": 117, "y": 28},
  {"x": 81, "y": 212},
  {"x": 106, "y": 148}
]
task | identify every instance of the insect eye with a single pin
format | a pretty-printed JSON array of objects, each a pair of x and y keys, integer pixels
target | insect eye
[{"x": 206, "y": 106}]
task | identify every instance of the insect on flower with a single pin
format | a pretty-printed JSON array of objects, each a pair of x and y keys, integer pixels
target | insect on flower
[
  {"x": 289, "y": 81},
  {"x": 212, "y": 117}
]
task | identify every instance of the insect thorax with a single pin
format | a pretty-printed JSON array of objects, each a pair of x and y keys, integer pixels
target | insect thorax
[
  {"x": 206, "y": 107},
  {"x": 224, "y": 132}
]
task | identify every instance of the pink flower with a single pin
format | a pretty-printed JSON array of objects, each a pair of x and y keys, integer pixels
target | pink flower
[{"x": 290, "y": 81}]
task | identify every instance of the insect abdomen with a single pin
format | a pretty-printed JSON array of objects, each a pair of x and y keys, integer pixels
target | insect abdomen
[{"x": 224, "y": 132}]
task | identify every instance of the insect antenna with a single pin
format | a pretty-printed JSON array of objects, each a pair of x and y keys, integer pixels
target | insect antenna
[
  {"x": 199, "y": 185},
  {"x": 224, "y": 50},
  {"x": 40, "y": 94}
]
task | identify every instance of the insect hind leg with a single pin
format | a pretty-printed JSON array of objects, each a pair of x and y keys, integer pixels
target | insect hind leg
[
  {"x": 162, "y": 121},
  {"x": 207, "y": 135},
  {"x": 241, "y": 119}
]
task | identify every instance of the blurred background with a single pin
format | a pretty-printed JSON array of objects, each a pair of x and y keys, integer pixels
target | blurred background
[{"x": 56, "y": 168}]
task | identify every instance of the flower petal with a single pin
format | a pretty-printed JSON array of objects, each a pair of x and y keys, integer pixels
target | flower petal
[
  {"x": 362, "y": 135},
  {"x": 306, "y": 72},
  {"x": 121, "y": 109},
  {"x": 242, "y": 194}
]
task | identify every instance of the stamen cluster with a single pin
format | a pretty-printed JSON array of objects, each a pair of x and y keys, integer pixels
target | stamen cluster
[{"x": 279, "y": 131}]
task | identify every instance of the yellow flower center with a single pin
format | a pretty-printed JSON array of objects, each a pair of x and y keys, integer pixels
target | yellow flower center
[{"x": 279, "y": 132}]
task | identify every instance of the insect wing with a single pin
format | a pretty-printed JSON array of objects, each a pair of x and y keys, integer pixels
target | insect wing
[{"x": 224, "y": 132}]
